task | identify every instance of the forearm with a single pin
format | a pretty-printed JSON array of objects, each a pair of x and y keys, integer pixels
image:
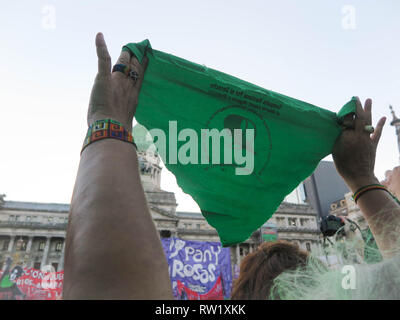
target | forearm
[
  {"x": 113, "y": 250},
  {"x": 382, "y": 214}
]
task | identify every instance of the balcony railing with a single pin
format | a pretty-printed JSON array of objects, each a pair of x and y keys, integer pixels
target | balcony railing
[
  {"x": 198, "y": 232},
  {"x": 298, "y": 229},
  {"x": 33, "y": 225}
]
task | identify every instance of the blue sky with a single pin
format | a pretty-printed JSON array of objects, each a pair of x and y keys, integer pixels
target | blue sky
[{"x": 299, "y": 48}]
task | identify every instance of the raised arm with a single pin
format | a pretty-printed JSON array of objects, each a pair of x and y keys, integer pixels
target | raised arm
[
  {"x": 354, "y": 155},
  {"x": 113, "y": 250}
]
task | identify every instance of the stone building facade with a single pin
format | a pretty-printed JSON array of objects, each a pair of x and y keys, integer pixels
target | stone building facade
[
  {"x": 346, "y": 207},
  {"x": 34, "y": 233},
  {"x": 296, "y": 223}
]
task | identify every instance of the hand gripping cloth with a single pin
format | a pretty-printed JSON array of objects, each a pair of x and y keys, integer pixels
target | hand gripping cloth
[{"x": 239, "y": 185}]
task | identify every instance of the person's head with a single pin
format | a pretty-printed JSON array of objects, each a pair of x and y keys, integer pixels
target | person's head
[
  {"x": 15, "y": 273},
  {"x": 259, "y": 269}
]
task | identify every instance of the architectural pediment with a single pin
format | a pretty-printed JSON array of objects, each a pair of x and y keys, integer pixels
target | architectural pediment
[{"x": 160, "y": 214}]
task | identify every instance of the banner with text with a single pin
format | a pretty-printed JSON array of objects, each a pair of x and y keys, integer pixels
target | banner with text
[
  {"x": 198, "y": 270},
  {"x": 31, "y": 284}
]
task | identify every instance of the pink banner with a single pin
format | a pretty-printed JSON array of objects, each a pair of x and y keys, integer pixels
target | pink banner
[
  {"x": 34, "y": 285},
  {"x": 216, "y": 293}
]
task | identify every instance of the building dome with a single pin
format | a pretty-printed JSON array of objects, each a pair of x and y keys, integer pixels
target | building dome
[
  {"x": 143, "y": 138},
  {"x": 149, "y": 160}
]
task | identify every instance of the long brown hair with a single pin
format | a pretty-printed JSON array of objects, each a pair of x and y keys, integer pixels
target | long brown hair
[{"x": 259, "y": 269}]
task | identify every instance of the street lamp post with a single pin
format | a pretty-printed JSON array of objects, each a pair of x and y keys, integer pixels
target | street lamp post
[{"x": 396, "y": 123}]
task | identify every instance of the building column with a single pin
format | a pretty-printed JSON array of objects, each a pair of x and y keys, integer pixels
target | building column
[
  {"x": 29, "y": 245},
  {"x": 11, "y": 244},
  {"x": 28, "y": 251},
  {"x": 61, "y": 262},
  {"x": 45, "y": 253},
  {"x": 237, "y": 255}
]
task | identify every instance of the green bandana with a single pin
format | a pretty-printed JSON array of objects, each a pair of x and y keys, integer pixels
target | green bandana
[{"x": 237, "y": 185}]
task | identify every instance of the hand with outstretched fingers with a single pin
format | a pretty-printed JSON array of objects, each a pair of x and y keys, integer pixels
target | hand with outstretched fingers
[
  {"x": 115, "y": 94},
  {"x": 355, "y": 150}
]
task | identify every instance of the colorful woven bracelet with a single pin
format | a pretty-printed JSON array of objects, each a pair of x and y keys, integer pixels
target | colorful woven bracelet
[
  {"x": 107, "y": 128},
  {"x": 365, "y": 189}
]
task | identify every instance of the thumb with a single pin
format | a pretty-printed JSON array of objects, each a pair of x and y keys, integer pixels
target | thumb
[{"x": 378, "y": 131}]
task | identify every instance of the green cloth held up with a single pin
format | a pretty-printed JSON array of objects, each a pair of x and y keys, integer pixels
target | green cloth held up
[{"x": 235, "y": 195}]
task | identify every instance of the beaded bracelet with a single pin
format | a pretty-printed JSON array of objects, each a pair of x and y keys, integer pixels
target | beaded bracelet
[
  {"x": 107, "y": 128},
  {"x": 367, "y": 188}
]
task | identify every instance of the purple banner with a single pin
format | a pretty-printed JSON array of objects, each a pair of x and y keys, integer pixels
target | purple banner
[{"x": 198, "y": 265}]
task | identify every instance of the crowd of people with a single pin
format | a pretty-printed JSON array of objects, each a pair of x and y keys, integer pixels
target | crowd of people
[{"x": 109, "y": 213}]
